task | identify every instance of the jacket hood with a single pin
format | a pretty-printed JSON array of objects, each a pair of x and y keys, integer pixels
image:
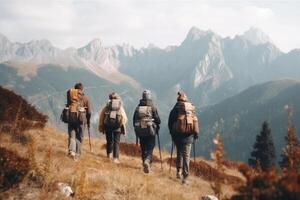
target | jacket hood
[{"x": 146, "y": 102}]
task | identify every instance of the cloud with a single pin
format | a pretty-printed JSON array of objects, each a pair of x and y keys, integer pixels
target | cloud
[{"x": 140, "y": 22}]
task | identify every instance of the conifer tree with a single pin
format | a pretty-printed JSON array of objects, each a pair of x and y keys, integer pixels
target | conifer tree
[
  {"x": 291, "y": 152},
  {"x": 263, "y": 154}
]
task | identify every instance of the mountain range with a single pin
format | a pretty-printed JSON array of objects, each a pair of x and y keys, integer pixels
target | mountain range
[{"x": 208, "y": 67}]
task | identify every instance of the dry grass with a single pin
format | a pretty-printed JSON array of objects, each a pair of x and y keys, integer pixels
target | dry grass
[{"x": 95, "y": 176}]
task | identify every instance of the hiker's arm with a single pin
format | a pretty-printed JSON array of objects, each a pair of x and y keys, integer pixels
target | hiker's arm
[
  {"x": 171, "y": 119},
  {"x": 124, "y": 121},
  {"x": 197, "y": 128},
  {"x": 68, "y": 98},
  {"x": 88, "y": 105},
  {"x": 101, "y": 120},
  {"x": 156, "y": 116},
  {"x": 124, "y": 116},
  {"x": 134, "y": 117}
]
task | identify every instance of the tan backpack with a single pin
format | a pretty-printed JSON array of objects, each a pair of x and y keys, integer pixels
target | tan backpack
[
  {"x": 187, "y": 121},
  {"x": 76, "y": 107}
]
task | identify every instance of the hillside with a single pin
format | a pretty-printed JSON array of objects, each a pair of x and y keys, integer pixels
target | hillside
[
  {"x": 34, "y": 162},
  {"x": 240, "y": 117},
  {"x": 94, "y": 175}
]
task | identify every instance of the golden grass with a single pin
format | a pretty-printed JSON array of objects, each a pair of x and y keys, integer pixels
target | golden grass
[{"x": 95, "y": 176}]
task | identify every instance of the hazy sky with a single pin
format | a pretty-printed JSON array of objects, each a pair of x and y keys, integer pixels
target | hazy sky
[{"x": 140, "y": 22}]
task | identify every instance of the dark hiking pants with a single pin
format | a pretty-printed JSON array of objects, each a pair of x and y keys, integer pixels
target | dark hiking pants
[
  {"x": 75, "y": 132},
  {"x": 147, "y": 145},
  {"x": 183, "y": 157},
  {"x": 112, "y": 143}
]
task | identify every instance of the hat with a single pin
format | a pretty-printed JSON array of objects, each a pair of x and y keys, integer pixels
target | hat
[
  {"x": 181, "y": 96},
  {"x": 146, "y": 94},
  {"x": 113, "y": 95}
]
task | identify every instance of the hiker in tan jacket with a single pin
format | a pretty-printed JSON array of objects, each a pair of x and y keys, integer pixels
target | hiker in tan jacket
[{"x": 112, "y": 121}]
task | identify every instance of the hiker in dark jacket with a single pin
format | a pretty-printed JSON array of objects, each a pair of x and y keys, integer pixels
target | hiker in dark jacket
[
  {"x": 112, "y": 121},
  {"x": 80, "y": 104},
  {"x": 184, "y": 129},
  {"x": 146, "y": 123}
]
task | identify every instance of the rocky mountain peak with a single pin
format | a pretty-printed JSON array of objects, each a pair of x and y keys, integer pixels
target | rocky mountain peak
[
  {"x": 256, "y": 36},
  {"x": 196, "y": 34}
]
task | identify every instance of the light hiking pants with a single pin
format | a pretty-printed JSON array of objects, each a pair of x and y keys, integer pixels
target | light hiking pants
[
  {"x": 183, "y": 157},
  {"x": 112, "y": 143},
  {"x": 75, "y": 132},
  {"x": 147, "y": 145}
]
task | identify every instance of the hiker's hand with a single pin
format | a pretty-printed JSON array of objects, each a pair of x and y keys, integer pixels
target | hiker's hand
[{"x": 195, "y": 137}]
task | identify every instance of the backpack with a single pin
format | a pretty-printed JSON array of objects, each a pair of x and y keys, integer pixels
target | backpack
[
  {"x": 65, "y": 115},
  {"x": 187, "y": 121},
  {"x": 144, "y": 126},
  {"x": 113, "y": 116},
  {"x": 74, "y": 112}
]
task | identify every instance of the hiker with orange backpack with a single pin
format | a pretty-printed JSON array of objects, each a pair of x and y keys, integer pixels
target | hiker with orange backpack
[
  {"x": 146, "y": 123},
  {"x": 79, "y": 114},
  {"x": 112, "y": 121},
  {"x": 184, "y": 129}
]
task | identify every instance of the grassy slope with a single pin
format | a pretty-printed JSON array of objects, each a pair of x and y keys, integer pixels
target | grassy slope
[{"x": 100, "y": 178}]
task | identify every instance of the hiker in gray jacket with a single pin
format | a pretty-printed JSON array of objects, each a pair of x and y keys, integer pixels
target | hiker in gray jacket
[{"x": 146, "y": 123}]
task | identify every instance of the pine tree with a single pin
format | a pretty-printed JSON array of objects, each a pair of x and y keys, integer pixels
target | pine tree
[
  {"x": 291, "y": 152},
  {"x": 263, "y": 154}
]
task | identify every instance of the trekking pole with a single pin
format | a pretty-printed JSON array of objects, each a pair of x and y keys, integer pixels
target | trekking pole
[
  {"x": 171, "y": 156},
  {"x": 89, "y": 133},
  {"x": 158, "y": 140},
  {"x": 136, "y": 141},
  {"x": 194, "y": 149}
]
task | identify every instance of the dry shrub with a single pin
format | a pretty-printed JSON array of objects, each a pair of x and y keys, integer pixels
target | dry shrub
[
  {"x": 17, "y": 116},
  {"x": 13, "y": 168},
  {"x": 131, "y": 149},
  {"x": 270, "y": 184},
  {"x": 14, "y": 107}
]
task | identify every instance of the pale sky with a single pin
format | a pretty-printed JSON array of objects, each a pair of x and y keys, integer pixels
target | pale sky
[{"x": 140, "y": 22}]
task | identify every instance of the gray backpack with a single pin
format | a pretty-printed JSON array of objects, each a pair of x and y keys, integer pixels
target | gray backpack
[
  {"x": 113, "y": 116},
  {"x": 144, "y": 125}
]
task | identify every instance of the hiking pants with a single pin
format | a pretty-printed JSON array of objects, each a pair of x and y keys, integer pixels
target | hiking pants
[
  {"x": 112, "y": 143},
  {"x": 183, "y": 157},
  {"x": 147, "y": 145},
  {"x": 75, "y": 132}
]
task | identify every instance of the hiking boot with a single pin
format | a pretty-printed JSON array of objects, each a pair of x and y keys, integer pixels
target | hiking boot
[
  {"x": 109, "y": 156},
  {"x": 179, "y": 174},
  {"x": 72, "y": 155},
  {"x": 146, "y": 166},
  {"x": 185, "y": 181},
  {"x": 116, "y": 160}
]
